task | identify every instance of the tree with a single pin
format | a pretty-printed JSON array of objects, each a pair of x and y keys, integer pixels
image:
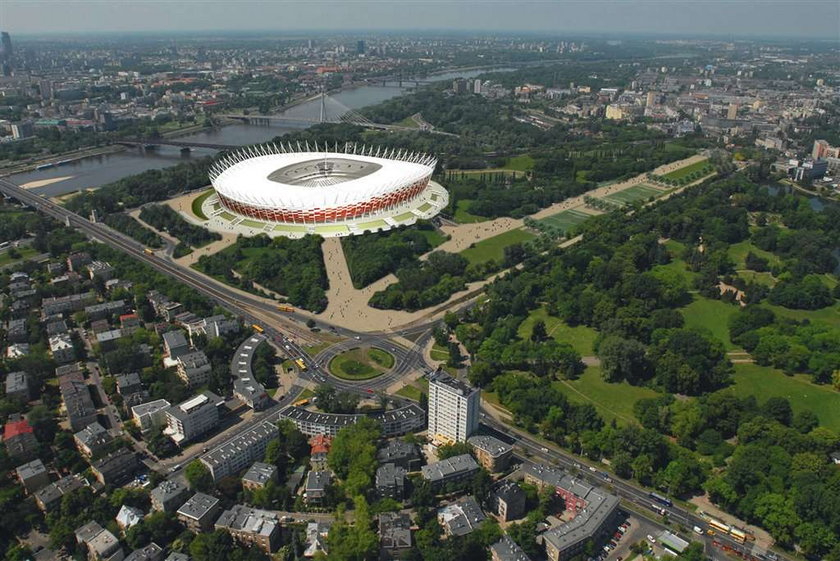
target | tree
[
  {"x": 778, "y": 408},
  {"x": 538, "y": 332},
  {"x": 353, "y": 543},
  {"x": 353, "y": 455},
  {"x": 622, "y": 359},
  {"x": 199, "y": 476},
  {"x": 777, "y": 516}
]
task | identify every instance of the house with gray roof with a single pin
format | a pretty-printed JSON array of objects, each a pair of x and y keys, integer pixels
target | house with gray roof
[{"x": 451, "y": 472}]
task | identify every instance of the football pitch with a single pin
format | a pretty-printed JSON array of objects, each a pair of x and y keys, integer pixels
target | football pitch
[
  {"x": 632, "y": 194},
  {"x": 565, "y": 220}
]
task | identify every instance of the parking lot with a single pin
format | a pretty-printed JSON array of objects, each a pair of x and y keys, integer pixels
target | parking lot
[{"x": 637, "y": 531}]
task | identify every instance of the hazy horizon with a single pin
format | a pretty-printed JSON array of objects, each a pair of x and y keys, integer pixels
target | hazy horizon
[{"x": 811, "y": 19}]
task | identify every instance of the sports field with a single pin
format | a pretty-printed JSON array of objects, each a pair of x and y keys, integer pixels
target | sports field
[
  {"x": 566, "y": 220},
  {"x": 634, "y": 193}
]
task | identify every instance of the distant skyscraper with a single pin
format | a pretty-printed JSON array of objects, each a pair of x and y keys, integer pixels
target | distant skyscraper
[
  {"x": 453, "y": 408},
  {"x": 360, "y": 47},
  {"x": 6, "y": 53}
]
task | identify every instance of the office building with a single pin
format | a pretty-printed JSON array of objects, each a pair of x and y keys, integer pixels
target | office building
[
  {"x": 453, "y": 408},
  {"x": 150, "y": 415},
  {"x": 115, "y": 468},
  {"x": 450, "y": 474},
  {"x": 258, "y": 475},
  {"x": 251, "y": 527},
  {"x": 193, "y": 418},
  {"x": 199, "y": 512},
  {"x": 390, "y": 482},
  {"x": 6, "y": 54},
  {"x": 169, "y": 496},
  {"x": 33, "y": 475},
  {"x": 240, "y": 451},
  {"x": 491, "y": 452}
]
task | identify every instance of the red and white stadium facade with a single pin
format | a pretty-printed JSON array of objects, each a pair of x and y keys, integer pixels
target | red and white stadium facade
[{"x": 297, "y": 184}]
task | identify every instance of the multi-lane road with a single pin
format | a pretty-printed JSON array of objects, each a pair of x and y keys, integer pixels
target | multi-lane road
[{"x": 278, "y": 327}]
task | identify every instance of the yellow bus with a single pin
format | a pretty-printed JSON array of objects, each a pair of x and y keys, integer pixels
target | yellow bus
[
  {"x": 149, "y": 251},
  {"x": 285, "y": 308},
  {"x": 300, "y": 363},
  {"x": 258, "y": 328},
  {"x": 300, "y": 402}
]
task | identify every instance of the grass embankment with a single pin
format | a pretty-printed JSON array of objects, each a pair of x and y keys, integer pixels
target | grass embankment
[
  {"x": 580, "y": 337},
  {"x": 494, "y": 248},
  {"x": 687, "y": 170},
  {"x": 415, "y": 389},
  {"x": 361, "y": 364}
]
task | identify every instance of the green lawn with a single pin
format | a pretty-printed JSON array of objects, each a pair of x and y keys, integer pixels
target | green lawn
[
  {"x": 410, "y": 392},
  {"x": 424, "y": 207},
  {"x": 579, "y": 337},
  {"x": 738, "y": 254},
  {"x": 405, "y": 216},
  {"x": 764, "y": 382},
  {"x": 830, "y": 315},
  {"x": 407, "y": 122},
  {"x": 613, "y": 401},
  {"x": 677, "y": 265},
  {"x": 634, "y": 193},
  {"x": 462, "y": 213},
  {"x": 25, "y": 252},
  {"x": 198, "y": 201},
  {"x": 711, "y": 315},
  {"x": 439, "y": 353},
  {"x": 359, "y": 364},
  {"x": 520, "y": 163},
  {"x": 434, "y": 237},
  {"x": 493, "y": 248},
  {"x": 687, "y": 170},
  {"x": 566, "y": 220},
  {"x": 306, "y": 394},
  {"x": 382, "y": 358}
]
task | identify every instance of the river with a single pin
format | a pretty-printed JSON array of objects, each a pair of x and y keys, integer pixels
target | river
[{"x": 93, "y": 172}]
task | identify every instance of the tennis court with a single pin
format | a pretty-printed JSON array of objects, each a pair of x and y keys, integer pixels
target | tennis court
[
  {"x": 634, "y": 193},
  {"x": 565, "y": 220}
]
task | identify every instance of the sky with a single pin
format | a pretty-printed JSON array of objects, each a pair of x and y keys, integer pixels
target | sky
[{"x": 737, "y": 18}]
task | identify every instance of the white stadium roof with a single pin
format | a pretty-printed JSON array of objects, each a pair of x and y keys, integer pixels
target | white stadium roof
[{"x": 300, "y": 178}]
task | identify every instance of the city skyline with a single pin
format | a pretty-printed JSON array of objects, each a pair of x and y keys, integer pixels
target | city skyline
[{"x": 738, "y": 19}]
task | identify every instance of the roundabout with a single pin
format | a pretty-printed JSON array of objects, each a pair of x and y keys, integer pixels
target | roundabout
[{"x": 361, "y": 363}]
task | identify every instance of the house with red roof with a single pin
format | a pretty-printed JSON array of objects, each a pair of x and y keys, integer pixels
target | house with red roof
[{"x": 19, "y": 438}]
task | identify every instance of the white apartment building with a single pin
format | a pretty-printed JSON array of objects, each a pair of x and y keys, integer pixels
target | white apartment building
[
  {"x": 453, "y": 408},
  {"x": 193, "y": 417}
]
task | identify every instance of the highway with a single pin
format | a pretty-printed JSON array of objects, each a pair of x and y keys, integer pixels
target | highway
[{"x": 407, "y": 359}]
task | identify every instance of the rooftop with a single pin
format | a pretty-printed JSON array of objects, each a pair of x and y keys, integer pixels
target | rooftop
[
  {"x": 198, "y": 506},
  {"x": 31, "y": 469},
  {"x": 246, "y": 519},
  {"x": 461, "y": 517},
  {"x": 507, "y": 550},
  {"x": 442, "y": 378},
  {"x": 260, "y": 473},
  {"x": 454, "y": 466},
  {"x": 490, "y": 444}
]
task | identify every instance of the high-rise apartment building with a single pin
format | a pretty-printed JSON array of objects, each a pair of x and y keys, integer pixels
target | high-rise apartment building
[{"x": 453, "y": 408}]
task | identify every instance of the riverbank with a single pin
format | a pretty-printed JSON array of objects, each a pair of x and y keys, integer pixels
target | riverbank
[{"x": 64, "y": 158}]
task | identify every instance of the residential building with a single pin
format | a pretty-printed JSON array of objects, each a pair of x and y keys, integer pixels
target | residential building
[
  {"x": 199, "y": 512},
  {"x": 175, "y": 556},
  {"x": 508, "y": 500},
  {"x": 92, "y": 439},
  {"x": 175, "y": 344},
  {"x": 193, "y": 418},
  {"x": 394, "y": 422},
  {"x": 194, "y": 368},
  {"x": 507, "y": 550},
  {"x": 317, "y": 483},
  {"x": 105, "y": 310},
  {"x": 49, "y": 497},
  {"x": 245, "y": 387},
  {"x": 130, "y": 387},
  {"x": 390, "y": 482},
  {"x": 316, "y": 539},
  {"x": 100, "y": 270},
  {"x": 461, "y": 517},
  {"x": 319, "y": 450},
  {"x": 17, "y": 331},
  {"x": 19, "y": 438},
  {"x": 128, "y": 516},
  {"x": 17, "y": 386},
  {"x": 400, "y": 453},
  {"x": 33, "y": 475},
  {"x": 394, "y": 531},
  {"x": 151, "y": 552},
  {"x": 240, "y": 451},
  {"x": 150, "y": 415},
  {"x": 76, "y": 261},
  {"x": 491, "y": 452},
  {"x": 115, "y": 468},
  {"x": 64, "y": 304},
  {"x": 251, "y": 527},
  {"x": 453, "y": 408},
  {"x": 61, "y": 347},
  {"x": 130, "y": 323},
  {"x": 77, "y": 400},
  {"x": 823, "y": 150},
  {"x": 451, "y": 473},
  {"x": 101, "y": 544},
  {"x": 169, "y": 496},
  {"x": 107, "y": 339},
  {"x": 258, "y": 475}
]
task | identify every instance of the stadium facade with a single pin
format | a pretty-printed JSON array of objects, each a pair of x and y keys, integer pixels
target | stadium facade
[{"x": 295, "y": 189}]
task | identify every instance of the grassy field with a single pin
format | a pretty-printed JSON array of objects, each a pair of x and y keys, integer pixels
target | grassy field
[
  {"x": 434, "y": 237},
  {"x": 407, "y": 122},
  {"x": 413, "y": 390},
  {"x": 462, "y": 213},
  {"x": 520, "y": 163},
  {"x": 439, "y": 353},
  {"x": 566, "y": 220},
  {"x": 677, "y": 265},
  {"x": 711, "y": 315},
  {"x": 830, "y": 315},
  {"x": 613, "y": 401},
  {"x": 25, "y": 253},
  {"x": 579, "y": 337},
  {"x": 687, "y": 170},
  {"x": 493, "y": 248},
  {"x": 639, "y": 192},
  {"x": 764, "y": 382},
  {"x": 198, "y": 201},
  {"x": 361, "y": 364},
  {"x": 738, "y": 253}
]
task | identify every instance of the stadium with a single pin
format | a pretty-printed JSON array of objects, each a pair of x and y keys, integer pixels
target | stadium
[{"x": 293, "y": 190}]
